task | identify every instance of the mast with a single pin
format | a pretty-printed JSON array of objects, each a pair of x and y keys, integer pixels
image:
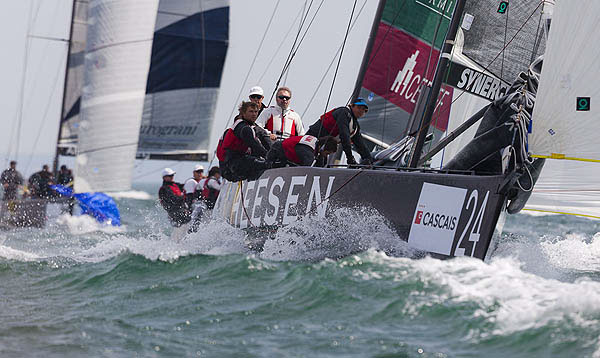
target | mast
[
  {"x": 62, "y": 108},
  {"x": 436, "y": 85},
  {"x": 368, "y": 49}
]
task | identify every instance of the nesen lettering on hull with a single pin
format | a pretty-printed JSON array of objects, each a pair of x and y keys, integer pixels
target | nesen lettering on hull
[{"x": 279, "y": 200}]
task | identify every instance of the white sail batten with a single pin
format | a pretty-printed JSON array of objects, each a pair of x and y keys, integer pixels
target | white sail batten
[
  {"x": 117, "y": 60},
  {"x": 565, "y": 123}
]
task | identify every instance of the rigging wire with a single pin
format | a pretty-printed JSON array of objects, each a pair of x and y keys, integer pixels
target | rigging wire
[
  {"x": 248, "y": 73},
  {"x": 293, "y": 54},
  {"x": 340, "y": 58},
  {"x": 19, "y": 114},
  {"x": 279, "y": 47},
  {"x": 332, "y": 62},
  {"x": 485, "y": 68},
  {"x": 253, "y": 62},
  {"x": 41, "y": 127}
]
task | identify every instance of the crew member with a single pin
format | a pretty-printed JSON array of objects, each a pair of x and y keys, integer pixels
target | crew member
[
  {"x": 257, "y": 96},
  {"x": 190, "y": 185},
  {"x": 39, "y": 183},
  {"x": 172, "y": 199},
  {"x": 301, "y": 150},
  {"x": 65, "y": 176},
  {"x": 280, "y": 120},
  {"x": 240, "y": 152},
  {"x": 212, "y": 187},
  {"x": 342, "y": 123},
  {"x": 11, "y": 181}
]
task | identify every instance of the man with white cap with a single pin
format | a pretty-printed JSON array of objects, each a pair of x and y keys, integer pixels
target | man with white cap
[
  {"x": 172, "y": 199},
  {"x": 190, "y": 185},
  {"x": 257, "y": 95}
]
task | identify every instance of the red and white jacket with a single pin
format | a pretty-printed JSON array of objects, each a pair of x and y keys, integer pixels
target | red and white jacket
[{"x": 290, "y": 124}]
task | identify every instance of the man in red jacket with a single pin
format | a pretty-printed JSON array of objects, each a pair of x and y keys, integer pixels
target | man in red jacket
[{"x": 172, "y": 199}]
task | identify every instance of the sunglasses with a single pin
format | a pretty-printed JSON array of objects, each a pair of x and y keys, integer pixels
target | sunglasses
[
  {"x": 256, "y": 96},
  {"x": 284, "y": 98}
]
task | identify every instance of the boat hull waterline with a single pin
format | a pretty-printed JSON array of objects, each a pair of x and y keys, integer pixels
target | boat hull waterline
[{"x": 443, "y": 214}]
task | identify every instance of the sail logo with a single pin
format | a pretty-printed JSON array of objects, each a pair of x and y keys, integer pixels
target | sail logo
[
  {"x": 436, "y": 218},
  {"x": 480, "y": 84},
  {"x": 405, "y": 74},
  {"x": 407, "y": 82}
]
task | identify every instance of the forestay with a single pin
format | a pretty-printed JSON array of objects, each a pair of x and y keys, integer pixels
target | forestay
[{"x": 565, "y": 121}]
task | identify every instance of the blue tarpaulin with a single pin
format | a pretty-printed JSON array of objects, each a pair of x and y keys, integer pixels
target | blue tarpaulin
[{"x": 98, "y": 205}]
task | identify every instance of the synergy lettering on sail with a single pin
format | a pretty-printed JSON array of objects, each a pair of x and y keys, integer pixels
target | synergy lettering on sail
[{"x": 401, "y": 61}]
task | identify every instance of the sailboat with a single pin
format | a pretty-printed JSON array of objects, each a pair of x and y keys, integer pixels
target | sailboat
[
  {"x": 142, "y": 81},
  {"x": 446, "y": 212}
]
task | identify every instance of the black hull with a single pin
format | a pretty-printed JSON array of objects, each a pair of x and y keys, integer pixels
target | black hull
[{"x": 442, "y": 214}]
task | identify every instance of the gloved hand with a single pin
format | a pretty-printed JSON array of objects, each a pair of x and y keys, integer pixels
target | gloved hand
[{"x": 351, "y": 160}]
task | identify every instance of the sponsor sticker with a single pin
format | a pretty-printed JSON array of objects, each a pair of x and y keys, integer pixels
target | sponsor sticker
[{"x": 436, "y": 218}]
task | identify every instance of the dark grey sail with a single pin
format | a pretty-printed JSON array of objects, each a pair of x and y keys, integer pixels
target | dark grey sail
[{"x": 505, "y": 40}]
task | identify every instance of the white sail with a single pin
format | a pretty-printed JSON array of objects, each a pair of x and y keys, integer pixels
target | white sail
[
  {"x": 562, "y": 127},
  {"x": 119, "y": 43}
]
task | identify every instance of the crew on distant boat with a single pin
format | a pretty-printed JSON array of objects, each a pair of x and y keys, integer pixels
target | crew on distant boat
[
  {"x": 257, "y": 95},
  {"x": 39, "y": 184},
  {"x": 241, "y": 151},
  {"x": 342, "y": 123},
  {"x": 65, "y": 176},
  {"x": 172, "y": 199},
  {"x": 280, "y": 119},
  {"x": 11, "y": 181},
  {"x": 302, "y": 150},
  {"x": 190, "y": 185},
  {"x": 212, "y": 187}
]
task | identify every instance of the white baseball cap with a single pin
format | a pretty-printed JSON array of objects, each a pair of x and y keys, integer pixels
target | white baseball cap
[
  {"x": 198, "y": 167},
  {"x": 256, "y": 90},
  {"x": 168, "y": 171}
]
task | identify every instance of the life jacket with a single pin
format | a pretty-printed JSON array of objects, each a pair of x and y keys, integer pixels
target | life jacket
[
  {"x": 283, "y": 125},
  {"x": 231, "y": 142},
  {"x": 175, "y": 189},
  {"x": 289, "y": 146},
  {"x": 209, "y": 194},
  {"x": 330, "y": 124}
]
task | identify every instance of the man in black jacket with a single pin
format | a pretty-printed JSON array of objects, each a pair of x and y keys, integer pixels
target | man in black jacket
[
  {"x": 172, "y": 199},
  {"x": 342, "y": 123},
  {"x": 243, "y": 148}
]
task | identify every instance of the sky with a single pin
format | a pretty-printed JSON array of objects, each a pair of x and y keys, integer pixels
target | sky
[{"x": 33, "y": 35}]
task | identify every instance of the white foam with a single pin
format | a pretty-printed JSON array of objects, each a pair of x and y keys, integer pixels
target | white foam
[
  {"x": 18, "y": 255},
  {"x": 83, "y": 224},
  {"x": 508, "y": 297},
  {"x": 344, "y": 232},
  {"x": 132, "y": 194},
  {"x": 575, "y": 252}
]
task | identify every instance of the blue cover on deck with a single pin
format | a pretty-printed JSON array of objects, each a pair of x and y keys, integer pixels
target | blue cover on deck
[{"x": 99, "y": 205}]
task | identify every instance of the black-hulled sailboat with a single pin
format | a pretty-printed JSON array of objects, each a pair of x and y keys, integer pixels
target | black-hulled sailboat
[{"x": 445, "y": 212}]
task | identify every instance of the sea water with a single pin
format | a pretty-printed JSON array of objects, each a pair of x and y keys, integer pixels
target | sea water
[{"x": 77, "y": 288}]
